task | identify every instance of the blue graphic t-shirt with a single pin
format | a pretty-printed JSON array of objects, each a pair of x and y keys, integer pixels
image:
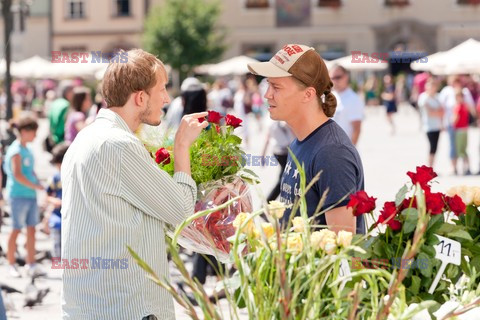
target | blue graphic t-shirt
[
  {"x": 327, "y": 150},
  {"x": 14, "y": 188},
  {"x": 55, "y": 190}
]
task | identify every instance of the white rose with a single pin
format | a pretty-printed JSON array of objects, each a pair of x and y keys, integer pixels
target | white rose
[
  {"x": 298, "y": 224},
  {"x": 344, "y": 238},
  {"x": 330, "y": 246},
  {"x": 276, "y": 209}
]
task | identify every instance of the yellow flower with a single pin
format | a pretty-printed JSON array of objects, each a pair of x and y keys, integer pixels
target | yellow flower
[
  {"x": 476, "y": 197},
  {"x": 294, "y": 243},
  {"x": 298, "y": 224},
  {"x": 240, "y": 219},
  {"x": 344, "y": 238},
  {"x": 268, "y": 229},
  {"x": 276, "y": 209}
]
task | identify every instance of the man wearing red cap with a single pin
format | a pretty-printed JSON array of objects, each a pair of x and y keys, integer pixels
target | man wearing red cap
[{"x": 299, "y": 93}]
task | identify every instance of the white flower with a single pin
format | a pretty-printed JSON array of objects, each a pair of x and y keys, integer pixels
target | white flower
[
  {"x": 344, "y": 238},
  {"x": 276, "y": 209},
  {"x": 298, "y": 224},
  {"x": 330, "y": 246}
]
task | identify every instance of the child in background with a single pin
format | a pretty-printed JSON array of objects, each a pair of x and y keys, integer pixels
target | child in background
[
  {"x": 460, "y": 125},
  {"x": 54, "y": 198},
  {"x": 21, "y": 187}
]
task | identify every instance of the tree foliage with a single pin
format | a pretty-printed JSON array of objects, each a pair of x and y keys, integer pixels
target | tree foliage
[{"x": 184, "y": 33}]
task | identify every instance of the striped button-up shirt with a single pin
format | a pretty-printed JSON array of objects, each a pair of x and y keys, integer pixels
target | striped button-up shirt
[{"x": 114, "y": 195}]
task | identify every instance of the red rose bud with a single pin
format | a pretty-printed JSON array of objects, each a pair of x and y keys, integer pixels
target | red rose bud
[
  {"x": 395, "y": 225},
  {"x": 423, "y": 176},
  {"x": 456, "y": 204},
  {"x": 214, "y": 117},
  {"x": 217, "y": 128},
  {"x": 434, "y": 201},
  {"x": 201, "y": 119},
  {"x": 361, "y": 203},
  {"x": 389, "y": 210},
  {"x": 232, "y": 121},
  {"x": 162, "y": 156}
]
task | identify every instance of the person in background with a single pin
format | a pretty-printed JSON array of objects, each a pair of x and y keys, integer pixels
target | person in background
[
  {"x": 389, "y": 100},
  {"x": 76, "y": 118},
  {"x": 448, "y": 99},
  {"x": 22, "y": 184},
  {"x": 280, "y": 135},
  {"x": 460, "y": 124},
  {"x": 57, "y": 115},
  {"x": 220, "y": 98},
  {"x": 431, "y": 112},
  {"x": 350, "y": 107},
  {"x": 54, "y": 198}
]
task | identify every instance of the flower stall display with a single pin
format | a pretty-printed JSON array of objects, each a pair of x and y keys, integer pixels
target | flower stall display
[
  {"x": 217, "y": 166},
  {"x": 445, "y": 248}
]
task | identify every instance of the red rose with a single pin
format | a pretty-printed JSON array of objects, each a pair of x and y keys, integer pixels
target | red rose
[
  {"x": 162, "y": 156},
  {"x": 408, "y": 203},
  {"x": 434, "y": 202},
  {"x": 217, "y": 128},
  {"x": 456, "y": 204},
  {"x": 387, "y": 215},
  {"x": 232, "y": 121},
  {"x": 214, "y": 117},
  {"x": 361, "y": 203},
  {"x": 423, "y": 175},
  {"x": 201, "y": 119}
]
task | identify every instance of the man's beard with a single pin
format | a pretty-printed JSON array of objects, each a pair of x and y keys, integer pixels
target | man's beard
[{"x": 145, "y": 115}]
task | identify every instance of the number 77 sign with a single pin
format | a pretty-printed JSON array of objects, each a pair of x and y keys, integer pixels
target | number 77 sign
[{"x": 447, "y": 251}]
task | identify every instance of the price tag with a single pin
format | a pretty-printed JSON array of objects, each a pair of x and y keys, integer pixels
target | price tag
[
  {"x": 447, "y": 251},
  {"x": 344, "y": 271}
]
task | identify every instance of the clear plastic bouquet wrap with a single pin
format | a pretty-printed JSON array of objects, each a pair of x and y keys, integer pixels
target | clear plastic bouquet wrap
[{"x": 209, "y": 234}]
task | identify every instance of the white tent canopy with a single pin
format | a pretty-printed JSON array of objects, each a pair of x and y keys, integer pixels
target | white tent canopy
[
  {"x": 233, "y": 66},
  {"x": 33, "y": 67},
  {"x": 347, "y": 63},
  {"x": 464, "y": 58}
]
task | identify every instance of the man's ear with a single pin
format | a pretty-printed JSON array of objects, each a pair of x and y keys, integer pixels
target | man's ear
[
  {"x": 310, "y": 94},
  {"x": 139, "y": 98}
]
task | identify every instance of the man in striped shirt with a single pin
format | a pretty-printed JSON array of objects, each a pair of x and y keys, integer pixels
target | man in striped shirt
[{"x": 114, "y": 195}]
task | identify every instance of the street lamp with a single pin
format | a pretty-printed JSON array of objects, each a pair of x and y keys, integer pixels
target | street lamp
[{"x": 7, "y": 10}]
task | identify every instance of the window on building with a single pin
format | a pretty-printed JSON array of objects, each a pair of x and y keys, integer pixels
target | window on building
[
  {"x": 257, "y": 4},
  {"x": 467, "y": 2},
  {"x": 331, "y": 51},
  {"x": 393, "y": 3},
  {"x": 121, "y": 8},
  {"x": 75, "y": 9},
  {"x": 329, "y": 3}
]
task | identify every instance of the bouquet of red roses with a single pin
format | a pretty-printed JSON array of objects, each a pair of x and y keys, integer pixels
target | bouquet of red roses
[{"x": 222, "y": 181}]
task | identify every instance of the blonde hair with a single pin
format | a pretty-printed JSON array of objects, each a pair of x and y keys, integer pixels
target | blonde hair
[{"x": 139, "y": 73}]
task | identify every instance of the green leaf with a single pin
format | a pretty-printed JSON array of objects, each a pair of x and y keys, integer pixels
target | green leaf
[
  {"x": 462, "y": 234},
  {"x": 415, "y": 285},
  {"x": 435, "y": 222},
  {"x": 401, "y": 195},
  {"x": 475, "y": 262},
  {"x": 411, "y": 219},
  {"x": 427, "y": 268},
  {"x": 429, "y": 250}
]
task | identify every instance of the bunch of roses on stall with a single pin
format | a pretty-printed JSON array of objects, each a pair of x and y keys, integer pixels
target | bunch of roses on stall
[{"x": 396, "y": 225}]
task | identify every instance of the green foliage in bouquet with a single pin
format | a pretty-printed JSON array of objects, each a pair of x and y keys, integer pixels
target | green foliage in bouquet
[
  {"x": 400, "y": 218},
  {"x": 297, "y": 272},
  {"x": 215, "y": 154}
]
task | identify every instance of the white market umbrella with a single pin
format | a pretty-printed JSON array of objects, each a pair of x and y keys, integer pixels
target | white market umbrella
[
  {"x": 464, "y": 58},
  {"x": 33, "y": 67},
  {"x": 233, "y": 66},
  {"x": 347, "y": 63}
]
